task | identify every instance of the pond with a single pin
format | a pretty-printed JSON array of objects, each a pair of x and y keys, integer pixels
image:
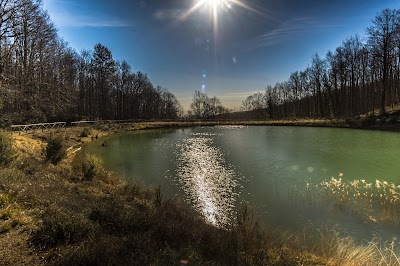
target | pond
[{"x": 276, "y": 170}]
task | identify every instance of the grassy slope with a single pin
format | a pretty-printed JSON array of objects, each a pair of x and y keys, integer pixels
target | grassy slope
[{"x": 50, "y": 216}]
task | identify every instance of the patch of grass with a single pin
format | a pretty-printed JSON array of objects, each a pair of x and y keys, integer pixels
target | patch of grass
[
  {"x": 6, "y": 199},
  {"x": 29, "y": 165},
  {"x": 6, "y": 149},
  {"x": 56, "y": 149},
  {"x": 61, "y": 228},
  {"x": 86, "y": 132},
  {"x": 86, "y": 166},
  {"x": 11, "y": 213}
]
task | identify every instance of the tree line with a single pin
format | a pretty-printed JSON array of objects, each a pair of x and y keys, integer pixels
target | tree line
[
  {"x": 360, "y": 76},
  {"x": 43, "y": 79},
  {"x": 203, "y": 106},
  {"x": 108, "y": 89}
]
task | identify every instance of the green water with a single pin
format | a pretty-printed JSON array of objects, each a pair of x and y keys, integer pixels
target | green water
[{"x": 215, "y": 169}]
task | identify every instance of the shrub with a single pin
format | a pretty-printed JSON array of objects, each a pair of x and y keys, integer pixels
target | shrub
[
  {"x": 61, "y": 227},
  {"x": 368, "y": 121},
  {"x": 86, "y": 166},
  {"x": 391, "y": 120},
  {"x": 351, "y": 122},
  {"x": 56, "y": 149},
  {"x": 6, "y": 149},
  {"x": 86, "y": 132}
]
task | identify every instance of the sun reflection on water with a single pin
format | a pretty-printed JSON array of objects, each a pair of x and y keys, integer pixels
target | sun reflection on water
[{"x": 209, "y": 183}]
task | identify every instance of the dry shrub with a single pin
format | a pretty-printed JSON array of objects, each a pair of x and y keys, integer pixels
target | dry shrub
[
  {"x": 86, "y": 166},
  {"x": 6, "y": 149},
  {"x": 60, "y": 228},
  {"x": 86, "y": 132},
  {"x": 56, "y": 149}
]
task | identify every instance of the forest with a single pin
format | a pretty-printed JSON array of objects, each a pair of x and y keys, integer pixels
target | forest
[
  {"x": 362, "y": 75},
  {"x": 43, "y": 79}
]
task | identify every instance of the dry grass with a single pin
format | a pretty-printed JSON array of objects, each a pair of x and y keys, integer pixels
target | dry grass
[
  {"x": 28, "y": 146},
  {"x": 378, "y": 202}
]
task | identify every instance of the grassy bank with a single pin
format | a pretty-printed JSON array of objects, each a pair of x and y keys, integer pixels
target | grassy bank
[
  {"x": 75, "y": 213},
  {"x": 390, "y": 122}
]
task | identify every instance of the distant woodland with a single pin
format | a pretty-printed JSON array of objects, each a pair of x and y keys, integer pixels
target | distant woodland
[
  {"x": 42, "y": 79},
  {"x": 360, "y": 76}
]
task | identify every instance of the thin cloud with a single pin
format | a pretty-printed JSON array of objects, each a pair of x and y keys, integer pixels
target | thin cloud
[
  {"x": 167, "y": 14},
  {"x": 284, "y": 32},
  {"x": 66, "y": 20},
  {"x": 64, "y": 14}
]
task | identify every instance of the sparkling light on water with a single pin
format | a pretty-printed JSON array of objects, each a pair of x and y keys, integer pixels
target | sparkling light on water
[{"x": 208, "y": 182}]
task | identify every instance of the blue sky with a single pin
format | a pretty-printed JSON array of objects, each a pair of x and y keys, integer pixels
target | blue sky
[{"x": 252, "y": 46}]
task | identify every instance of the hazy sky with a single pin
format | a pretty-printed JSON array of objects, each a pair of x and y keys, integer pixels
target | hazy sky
[{"x": 249, "y": 49}]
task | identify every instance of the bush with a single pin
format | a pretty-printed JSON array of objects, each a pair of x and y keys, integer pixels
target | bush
[
  {"x": 56, "y": 149},
  {"x": 86, "y": 166},
  {"x": 391, "y": 120},
  {"x": 86, "y": 132},
  {"x": 6, "y": 149},
  {"x": 351, "y": 122},
  {"x": 61, "y": 227},
  {"x": 368, "y": 121}
]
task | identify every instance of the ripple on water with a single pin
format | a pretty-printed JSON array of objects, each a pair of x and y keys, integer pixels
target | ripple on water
[{"x": 209, "y": 183}]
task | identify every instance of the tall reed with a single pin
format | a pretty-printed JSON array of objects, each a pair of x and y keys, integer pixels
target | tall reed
[{"x": 378, "y": 202}]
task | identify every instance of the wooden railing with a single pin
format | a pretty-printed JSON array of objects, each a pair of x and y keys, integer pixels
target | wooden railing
[
  {"x": 82, "y": 123},
  {"x": 42, "y": 126}
]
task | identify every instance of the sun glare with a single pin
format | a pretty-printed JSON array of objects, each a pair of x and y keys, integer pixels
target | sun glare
[
  {"x": 214, "y": 3},
  {"x": 216, "y": 6}
]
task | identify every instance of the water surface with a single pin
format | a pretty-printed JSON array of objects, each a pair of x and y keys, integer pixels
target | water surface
[{"x": 215, "y": 169}]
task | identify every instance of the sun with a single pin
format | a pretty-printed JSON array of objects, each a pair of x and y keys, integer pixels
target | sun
[{"x": 216, "y": 6}]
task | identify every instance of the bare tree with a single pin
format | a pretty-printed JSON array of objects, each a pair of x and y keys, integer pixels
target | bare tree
[
  {"x": 382, "y": 36},
  {"x": 204, "y": 107},
  {"x": 254, "y": 102},
  {"x": 104, "y": 69}
]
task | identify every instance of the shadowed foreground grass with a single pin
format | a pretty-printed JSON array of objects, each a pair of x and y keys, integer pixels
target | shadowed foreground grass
[{"x": 57, "y": 215}]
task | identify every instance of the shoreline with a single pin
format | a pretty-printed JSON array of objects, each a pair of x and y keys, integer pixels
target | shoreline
[
  {"x": 390, "y": 123},
  {"x": 332, "y": 123}
]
